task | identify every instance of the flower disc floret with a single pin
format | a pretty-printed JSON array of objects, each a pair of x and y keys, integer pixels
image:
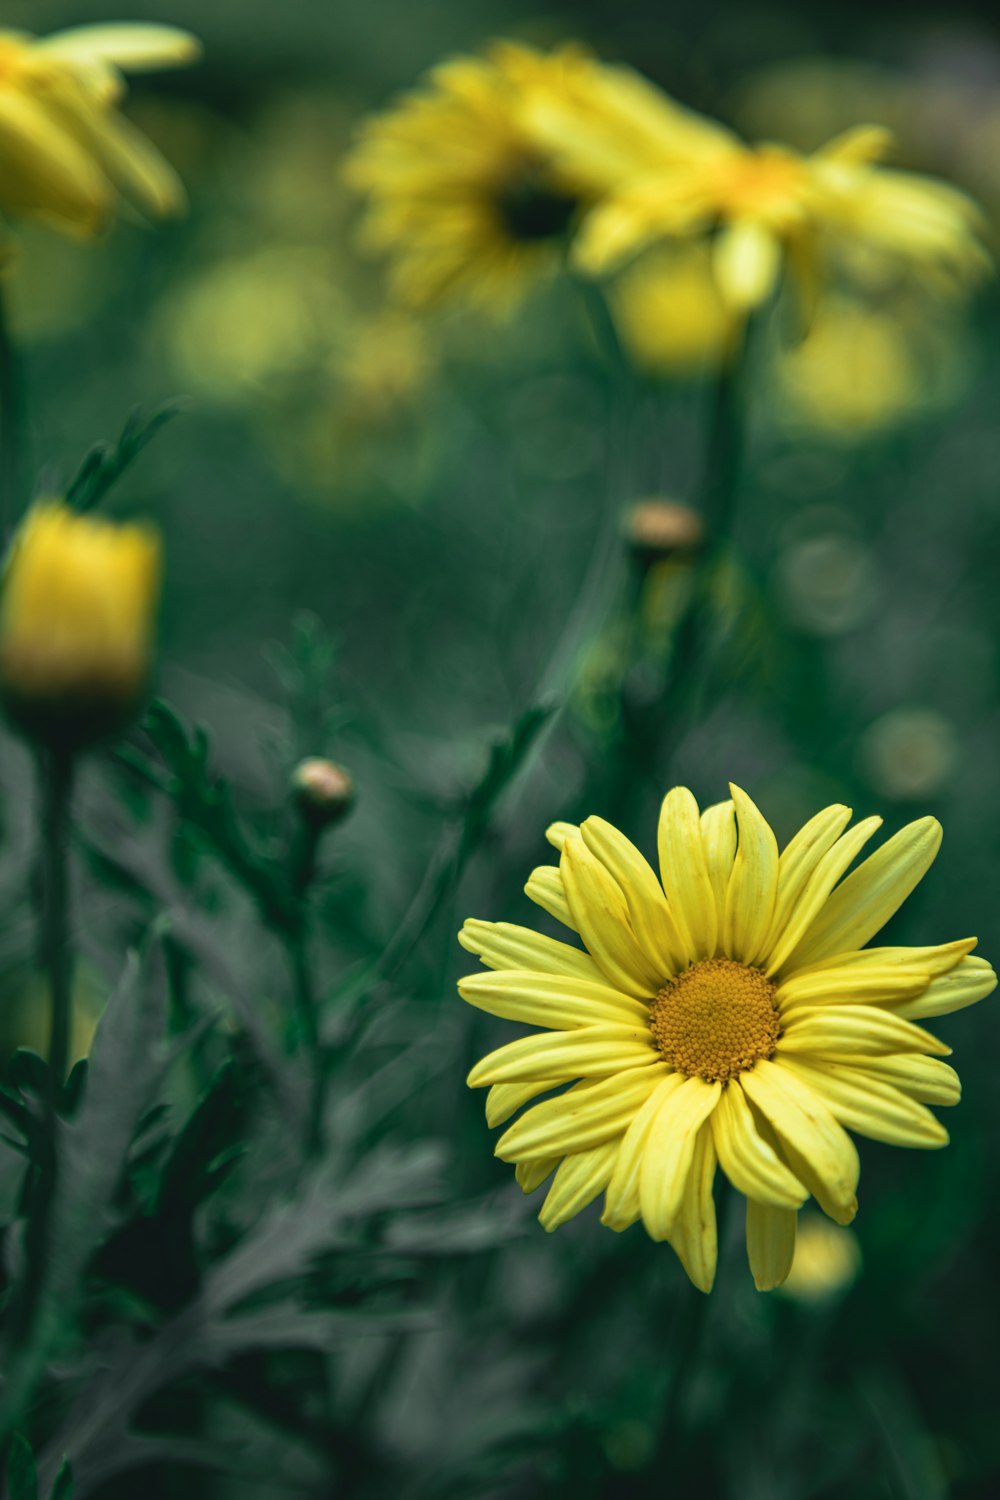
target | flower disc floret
[{"x": 715, "y": 1020}]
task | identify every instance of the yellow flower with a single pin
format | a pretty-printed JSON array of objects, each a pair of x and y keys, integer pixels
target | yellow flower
[
  {"x": 65, "y": 151},
  {"x": 670, "y": 314},
  {"x": 730, "y": 1015},
  {"x": 460, "y": 192},
  {"x": 680, "y": 176},
  {"x": 77, "y": 611},
  {"x": 827, "y": 1261}
]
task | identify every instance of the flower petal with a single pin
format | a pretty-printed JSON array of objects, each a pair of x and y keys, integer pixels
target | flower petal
[
  {"x": 581, "y": 1118},
  {"x": 684, "y": 872},
  {"x": 752, "y": 885},
  {"x": 505, "y": 1099},
  {"x": 926, "y": 1079},
  {"x": 863, "y": 902},
  {"x": 502, "y": 945},
  {"x": 135, "y": 46},
  {"x": 816, "y": 891},
  {"x": 552, "y": 1000},
  {"x": 531, "y": 1174},
  {"x": 971, "y": 980},
  {"x": 867, "y": 984},
  {"x": 600, "y": 915},
  {"x": 819, "y": 1151},
  {"x": 770, "y": 1243},
  {"x": 545, "y": 888},
  {"x": 695, "y": 1237},
  {"x": 746, "y": 259},
  {"x": 588, "y": 1052},
  {"x": 621, "y": 1201},
  {"x": 718, "y": 834},
  {"x": 578, "y": 1180},
  {"x": 746, "y": 1158},
  {"x": 669, "y": 1153},
  {"x": 846, "y": 1030},
  {"x": 870, "y": 1108},
  {"x": 800, "y": 857},
  {"x": 652, "y": 922}
]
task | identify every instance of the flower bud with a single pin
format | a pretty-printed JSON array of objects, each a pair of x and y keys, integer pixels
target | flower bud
[
  {"x": 659, "y": 529},
  {"x": 77, "y": 611},
  {"x": 323, "y": 791}
]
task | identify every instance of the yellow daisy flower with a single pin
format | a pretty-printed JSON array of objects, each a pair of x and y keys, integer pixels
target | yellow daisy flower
[
  {"x": 725, "y": 1014},
  {"x": 680, "y": 175},
  {"x": 460, "y": 191},
  {"x": 66, "y": 153}
]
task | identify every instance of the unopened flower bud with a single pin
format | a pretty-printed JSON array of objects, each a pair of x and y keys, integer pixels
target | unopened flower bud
[
  {"x": 659, "y": 529},
  {"x": 77, "y": 612},
  {"x": 323, "y": 791}
]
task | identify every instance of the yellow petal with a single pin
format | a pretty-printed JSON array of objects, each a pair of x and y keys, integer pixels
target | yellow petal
[
  {"x": 621, "y": 1201},
  {"x": 589, "y": 1052},
  {"x": 821, "y": 882},
  {"x": 718, "y": 834},
  {"x": 867, "y": 1107},
  {"x": 558, "y": 833},
  {"x": 935, "y": 960},
  {"x": 848, "y": 1030},
  {"x": 863, "y": 903},
  {"x": 578, "y": 1180},
  {"x": 45, "y": 172},
  {"x": 770, "y": 1243},
  {"x": 818, "y": 1150},
  {"x": 502, "y": 945},
  {"x": 601, "y": 917},
  {"x": 554, "y": 1001},
  {"x": 865, "y": 984},
  {"x": 582, "y": 1118},
  {"x": 747, "y": 1159},
  {"x": 858, "y": 146},
  {"x": 972, "y": 980},
  {"x": 752, "y": 885},
  {"x": 684, "y": 872},
  {"x": 670, "y": 1152},
  {"x": 546, "y": 889},
  {"x": 926, "y": 1079},
  {"x": 800, "y": 857},
  {"x": 746, "y": 258},
  {"x": 650, "y": 916},
  {"x": 136, "y": 47},
  {"x": 695, "y": 1239},
  {"x": 531, "y": 1174},
  {"x": 505, "y": 1099}
]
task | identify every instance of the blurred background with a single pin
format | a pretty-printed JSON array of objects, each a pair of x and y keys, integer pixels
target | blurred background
[{"x": 437, "y": 493}]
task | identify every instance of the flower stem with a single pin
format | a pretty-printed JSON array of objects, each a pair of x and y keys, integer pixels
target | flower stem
[
  {"x": 302, "y": 873},
  {"x": 13, "y": 431},
  {"x": 56, "y": 785}
]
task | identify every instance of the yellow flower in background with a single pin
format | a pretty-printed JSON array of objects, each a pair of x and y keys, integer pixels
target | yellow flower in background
[
  {"x": 727, "y": 1013},
  {"x": 460, "y": 193},
  {"x": 670, "y": 314},
  {"x": 827, "y": 1261},
  {"x": 77, "y": 611},
  {"x": 762, "y": 207},
  {"x": 66, "y": 153}
]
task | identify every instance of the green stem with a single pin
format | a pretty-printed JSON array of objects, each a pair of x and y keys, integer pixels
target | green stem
[
  {"x": 56, "y": 786},
  {"x": 302, "y": 871},
  {"x": 13, "y": 431}
]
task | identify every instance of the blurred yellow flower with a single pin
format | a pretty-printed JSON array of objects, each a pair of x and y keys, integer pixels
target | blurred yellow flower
[
  {"x": 727, "y": 1013},
  {"x": 682, "y": 176},
  {"x": 827, "y": 1261},
  {"x": 670, "y": 314},
  {"x": 66, "y": 153},
  {"x": 460, "y": 192},
  {"x": 77, "y": 610}
]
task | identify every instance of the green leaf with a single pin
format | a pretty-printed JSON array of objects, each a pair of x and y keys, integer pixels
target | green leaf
[
  {"x": 63, "y": 1487},
  {"x": 105, "y": 463},
  {"x": 22, "y": 1477}
]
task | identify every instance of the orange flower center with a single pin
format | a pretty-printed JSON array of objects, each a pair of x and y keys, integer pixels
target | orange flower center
[
  {"x": 715, "y": 1020},
  {"x": 765, "y": 182}
]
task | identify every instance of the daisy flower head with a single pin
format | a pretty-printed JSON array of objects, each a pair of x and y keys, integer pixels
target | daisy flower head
[
  {"x": 461, "y": 194},
  {"x": 727, "y": 1013},
  {"x": 67, "y": 155},
  {"x": 761, "y": 208}
]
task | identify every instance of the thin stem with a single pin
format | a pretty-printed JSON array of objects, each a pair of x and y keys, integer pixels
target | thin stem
[
  {"x": 56, "y": 785},
  {"x": 302, "y": 872},
  {"x": 13, "y": 427}
]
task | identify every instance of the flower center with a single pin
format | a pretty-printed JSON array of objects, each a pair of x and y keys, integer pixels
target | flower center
[
  {"x": 764, "y": 181},
  {"x": 715, "y": 1020},
  {"x": 530, "y": 208}
]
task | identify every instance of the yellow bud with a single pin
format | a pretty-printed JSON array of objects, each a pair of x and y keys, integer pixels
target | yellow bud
[{"x": 77, "y": 611}]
